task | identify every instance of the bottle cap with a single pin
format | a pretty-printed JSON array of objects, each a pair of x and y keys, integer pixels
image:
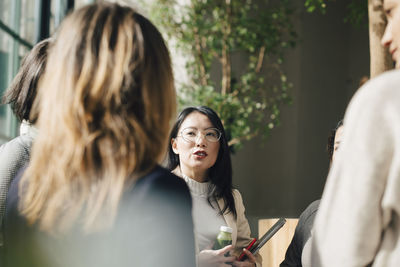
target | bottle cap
[{"x": 226, "y": 229}]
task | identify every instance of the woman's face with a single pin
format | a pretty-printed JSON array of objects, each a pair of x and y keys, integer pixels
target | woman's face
[
  {"x": 199, "y": 154},
  {"x": 391, "y": 38}
]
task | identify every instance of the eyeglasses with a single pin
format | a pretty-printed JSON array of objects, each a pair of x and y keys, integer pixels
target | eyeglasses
[{"x": 190, "y": 134}]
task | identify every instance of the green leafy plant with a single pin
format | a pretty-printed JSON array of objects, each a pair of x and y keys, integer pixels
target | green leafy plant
[
  {"x": 213, "y": 34},
  {"x": 357, "y": 10},
  {"x": 313, "y": 5},
  {"x": 357, "y": 13}
]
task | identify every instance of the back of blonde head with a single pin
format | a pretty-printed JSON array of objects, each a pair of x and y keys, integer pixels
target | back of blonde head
[{"x": 104, "y": 106}]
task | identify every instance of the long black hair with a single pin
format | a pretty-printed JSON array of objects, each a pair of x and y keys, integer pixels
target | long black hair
[{"x": 220, "y": 174}]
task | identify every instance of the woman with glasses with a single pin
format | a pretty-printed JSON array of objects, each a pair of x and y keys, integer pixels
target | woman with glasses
[{"x": 199, "y": 153}]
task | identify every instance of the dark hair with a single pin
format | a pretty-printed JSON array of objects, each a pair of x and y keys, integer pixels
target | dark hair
[
  {"x": 22, "y": 91},
  {"x": 220, "y": 174},
  {"x": 331, "y": 140}
]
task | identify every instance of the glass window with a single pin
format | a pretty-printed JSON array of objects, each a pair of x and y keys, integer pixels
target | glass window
[
  {"x": 11, "y": 54},
  {"x": 80, "y": 3},
  {"x": 27, "y": 20},
  {"x": 5, "y": 8},
  {"x": 18, "y": 25},
  {"x": 18, "y": 22}
]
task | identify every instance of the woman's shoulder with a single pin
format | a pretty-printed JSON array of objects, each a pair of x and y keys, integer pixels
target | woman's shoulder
[
  {"x": 15, "y": 151},
  {"x": 235, "y": 191},
  {"x": 307, "y": 217},
  {"x": 162, "y": 177},
  {"x": 160, "y": 183},
  {"x": 237, "y": 195}
]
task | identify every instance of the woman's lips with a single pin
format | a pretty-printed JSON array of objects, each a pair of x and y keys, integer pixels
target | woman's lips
[
  {"x": 200, "y": 154},
  {"x": 392, "y": 53}
]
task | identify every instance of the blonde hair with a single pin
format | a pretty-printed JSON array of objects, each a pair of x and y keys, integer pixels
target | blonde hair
[{"x": 105, "y": 104}]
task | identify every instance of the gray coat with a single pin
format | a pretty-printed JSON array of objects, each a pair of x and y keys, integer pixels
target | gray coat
[{"x": 13, "y": 156}]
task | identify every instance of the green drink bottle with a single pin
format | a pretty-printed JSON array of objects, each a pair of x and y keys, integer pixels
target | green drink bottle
[{"x": 224, "y": 238}]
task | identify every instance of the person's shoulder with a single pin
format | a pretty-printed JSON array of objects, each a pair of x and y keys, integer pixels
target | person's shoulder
[
  {"x": 162, "y": 176},
  {"x": 308, "y": 215},
  {"x": 376, "y": 103},
  {"x": 313, "y": 207},
  {"x": 385, "y": 87},
  {"x": 26, "y": 141},
  {"x": 162, "y": 181},
  {"x": 12, "y": 145},
  {"x": 236, "y": 192},
  {"x": 237, "y": 196},
  {"x": 386, "y": 78},
  {"x": 157, "y": 191},
  {"x": 19, "y": 144},
  {"x": 14, "y": 154}
]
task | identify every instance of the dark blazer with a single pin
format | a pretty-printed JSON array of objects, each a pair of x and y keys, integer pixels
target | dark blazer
[
  {"x": 153, "y": 228},
  {"x": 301, "y": 234}
]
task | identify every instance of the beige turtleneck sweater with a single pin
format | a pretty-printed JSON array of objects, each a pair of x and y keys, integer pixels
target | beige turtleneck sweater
[{"x": 207, "y": 220}]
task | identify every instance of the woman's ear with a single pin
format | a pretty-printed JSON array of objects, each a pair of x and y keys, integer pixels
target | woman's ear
[{"x": 174, "y": 146}]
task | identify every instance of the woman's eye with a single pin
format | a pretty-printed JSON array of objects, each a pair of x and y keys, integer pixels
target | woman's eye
[
  {"x": 212, "y": 134},
  {"x": 191, "y": 133}
]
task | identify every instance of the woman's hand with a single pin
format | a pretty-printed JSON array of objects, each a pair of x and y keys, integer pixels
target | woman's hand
[
  {"x": 216, "y": 258},
  {"x": 249, "y": 262}
]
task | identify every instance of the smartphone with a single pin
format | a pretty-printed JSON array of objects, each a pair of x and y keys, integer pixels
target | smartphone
[
  {"x": 243, "y": 255},
  {"x": 267, "y": 236}
]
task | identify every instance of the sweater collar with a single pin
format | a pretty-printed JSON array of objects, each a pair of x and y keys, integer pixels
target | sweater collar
[
  {"x": 28, "y": 128},
  {"x": 199, "y": 189}
]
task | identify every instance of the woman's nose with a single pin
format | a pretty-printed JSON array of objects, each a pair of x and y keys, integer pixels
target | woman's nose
[
  {"x": 387, "y": 37},
  {"x": 200, "y": 140}
]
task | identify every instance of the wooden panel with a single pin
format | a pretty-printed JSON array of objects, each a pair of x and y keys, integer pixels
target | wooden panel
[{"x": 273, "y": 252}]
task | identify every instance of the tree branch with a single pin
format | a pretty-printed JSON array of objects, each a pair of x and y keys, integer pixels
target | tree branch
[
  {"x": 260, "y": 59},
  {"x": 202, "y": 65},
  {"x": 237, "y": 140},
  {"x": 226, "y": 60}
]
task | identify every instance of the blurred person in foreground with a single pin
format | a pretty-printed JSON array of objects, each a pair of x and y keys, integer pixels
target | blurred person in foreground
[
  {"x": 358, "y": 220},
  {"x": 20, "y": 95},
  {"x": 298, "y": 254},
  {"x": 199, "y": 153},
  {"x": 93, "y": 193}
]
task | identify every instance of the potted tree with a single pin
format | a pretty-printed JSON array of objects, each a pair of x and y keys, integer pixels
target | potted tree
[{"x": 234, "y": 55}]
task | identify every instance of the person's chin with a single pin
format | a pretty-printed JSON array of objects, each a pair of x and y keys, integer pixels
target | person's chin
[{"x": 200, "y": 166}]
